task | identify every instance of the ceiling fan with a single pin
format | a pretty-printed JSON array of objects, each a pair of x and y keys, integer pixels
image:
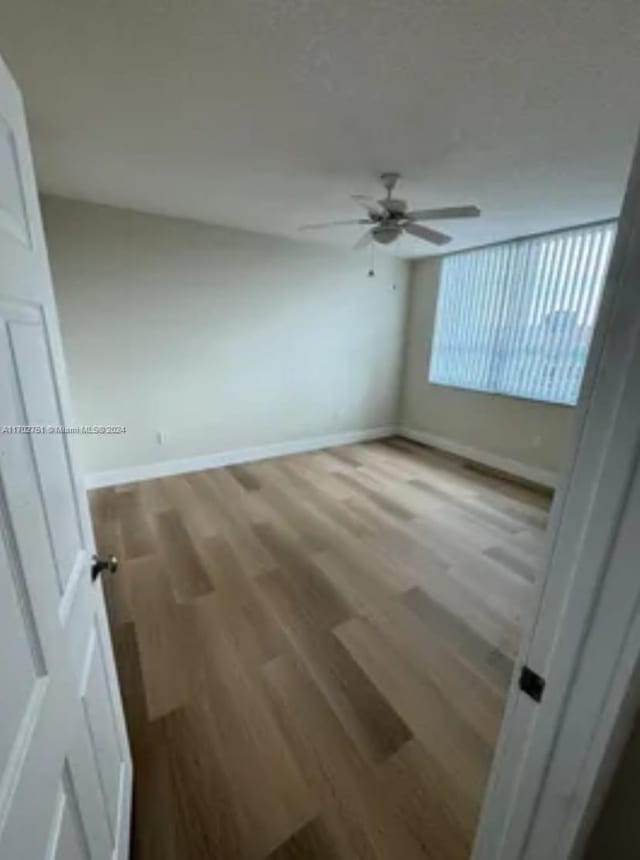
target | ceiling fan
[{"x": 389, "y": 218}]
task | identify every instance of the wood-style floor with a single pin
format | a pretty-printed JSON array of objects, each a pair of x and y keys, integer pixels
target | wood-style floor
[{"x": 314, "y": 650}]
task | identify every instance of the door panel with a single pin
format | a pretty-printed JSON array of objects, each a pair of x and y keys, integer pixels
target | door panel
[
  {"x": 102, "y": 722},
  {"x": 21, "y": 673},
  {"x": 89, "y": 796},
  {"x": 68, "y": 841},
  {"x": 13, "y": 214},
  {"x": 65, "y": 768},
  {"x": 33, "y": 367}
]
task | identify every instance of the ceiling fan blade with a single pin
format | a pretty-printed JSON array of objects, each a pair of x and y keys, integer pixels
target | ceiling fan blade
[
  {"x": 333, "y": 224},
  {"x": 427, "y": 233},
  {"x": 445, "y": 212},
  {"x": 363, "y": 241}
]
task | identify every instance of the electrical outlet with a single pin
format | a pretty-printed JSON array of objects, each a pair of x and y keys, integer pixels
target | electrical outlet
[
  {"x": 160, "y": 437},
  {"x": 536, "y": 441}
]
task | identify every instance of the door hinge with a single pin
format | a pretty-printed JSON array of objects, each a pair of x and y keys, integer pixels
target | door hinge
[{"x": 532, "y": 684}]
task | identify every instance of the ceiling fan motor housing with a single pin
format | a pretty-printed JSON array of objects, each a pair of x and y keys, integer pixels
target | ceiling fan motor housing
[{"x": 394, "y": 205}]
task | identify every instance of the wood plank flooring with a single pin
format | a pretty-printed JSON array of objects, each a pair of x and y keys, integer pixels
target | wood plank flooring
[{"x": 314, "y": 650}]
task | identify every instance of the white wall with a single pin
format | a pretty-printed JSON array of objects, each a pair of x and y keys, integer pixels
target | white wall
[
  {"x": 222, "y": 339},
  {"x": 525, "y": 432}
]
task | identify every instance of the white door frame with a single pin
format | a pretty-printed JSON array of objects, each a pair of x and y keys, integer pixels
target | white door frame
[{"x": 553, "y": 758}]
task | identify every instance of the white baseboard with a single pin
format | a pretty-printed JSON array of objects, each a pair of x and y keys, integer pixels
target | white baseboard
[
  {"x": 165, "y": 468},
  {"x": 545, "y": 477}
]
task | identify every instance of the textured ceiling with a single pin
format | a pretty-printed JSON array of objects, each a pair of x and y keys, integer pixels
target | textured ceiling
[{"x": 265, "y": 114}]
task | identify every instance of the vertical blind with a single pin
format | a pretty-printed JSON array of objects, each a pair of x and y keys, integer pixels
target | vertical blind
[{"x": 517, "y": 318}]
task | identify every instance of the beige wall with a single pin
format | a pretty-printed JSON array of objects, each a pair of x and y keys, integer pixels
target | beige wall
[
  {"x": 532, "y": 433},
  {"x": 221, "y": 339}
]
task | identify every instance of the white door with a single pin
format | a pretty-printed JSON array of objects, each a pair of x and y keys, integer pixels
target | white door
[
  {"x": 585, "y": 637},
  {"x": 65, "y": 768}
]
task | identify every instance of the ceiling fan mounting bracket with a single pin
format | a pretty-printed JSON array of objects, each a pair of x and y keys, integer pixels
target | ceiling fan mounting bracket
[{"x": 389, "y": 181}]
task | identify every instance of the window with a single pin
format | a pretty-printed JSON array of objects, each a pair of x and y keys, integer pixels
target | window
[{"x": 517, "y": 318}]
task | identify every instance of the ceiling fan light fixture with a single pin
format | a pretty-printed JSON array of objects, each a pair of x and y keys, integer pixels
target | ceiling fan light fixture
[{"x": 386, "y": 233}]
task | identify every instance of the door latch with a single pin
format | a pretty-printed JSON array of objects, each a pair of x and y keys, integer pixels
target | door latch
[{"x": 532, "y": 684}]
